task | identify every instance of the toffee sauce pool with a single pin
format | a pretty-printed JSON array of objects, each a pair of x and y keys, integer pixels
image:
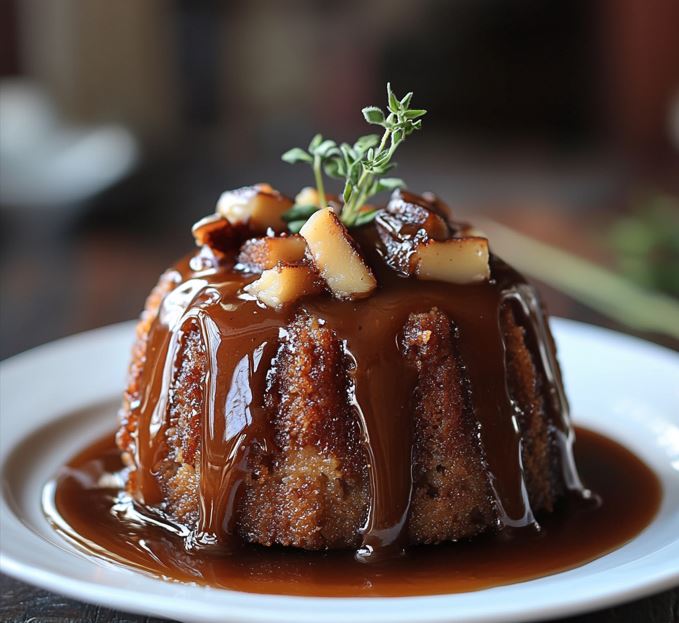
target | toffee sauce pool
[{"x": 86, "y": 504}]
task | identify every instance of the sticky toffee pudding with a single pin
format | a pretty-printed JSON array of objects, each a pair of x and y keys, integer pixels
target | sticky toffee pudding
[{"x": 330, "y": 398}]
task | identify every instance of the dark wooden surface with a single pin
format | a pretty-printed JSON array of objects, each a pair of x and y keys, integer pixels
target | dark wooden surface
[
  {"x": 95, "y": 273},
  {"x": 22, "y": 603}
]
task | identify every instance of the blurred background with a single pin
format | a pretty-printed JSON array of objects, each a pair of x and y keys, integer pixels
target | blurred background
[{"x": 555, "y": 125}]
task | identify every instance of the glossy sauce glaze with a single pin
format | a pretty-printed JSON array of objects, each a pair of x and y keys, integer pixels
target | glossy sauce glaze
[
  {"x": 241, "y": 338},
  {"x": 86, "y": 502}
]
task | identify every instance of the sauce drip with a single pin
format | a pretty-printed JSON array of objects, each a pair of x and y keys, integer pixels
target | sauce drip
[
  {"x": 241, "y": 338},
  {"x": 87, "y": 504}
]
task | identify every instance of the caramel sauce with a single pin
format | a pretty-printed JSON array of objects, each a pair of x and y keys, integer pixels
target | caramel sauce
[
  {"x": 241, "y": 338},
  {"x": 86, "y": 502},
  {"x": 115, "y": 510}
]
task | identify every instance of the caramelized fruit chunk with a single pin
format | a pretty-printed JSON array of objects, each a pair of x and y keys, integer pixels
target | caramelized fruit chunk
[
  {"x": 457, "y": 260},
  {"x": 217, "y": 233},
  {"x": 284, "y": 283},
  {"x": 259, "y": 206},
  {"x": 416, "y": 241},
  {"x": 441, "y": 208},
  {"x": 258, "y": 254},
  {"x": 408, "y": 220},
  {"x": 337, "y": 257},
  {"x": 414, "y": 213},
  {"x": 397, "y": 246}
]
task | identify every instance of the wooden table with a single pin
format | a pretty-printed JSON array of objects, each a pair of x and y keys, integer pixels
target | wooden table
[
  {"x": 22, "y": 603},
  {"x": 98, "y": 272}
]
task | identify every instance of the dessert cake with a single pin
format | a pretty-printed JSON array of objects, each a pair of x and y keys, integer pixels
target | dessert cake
[{"x": 324, "y": 374}]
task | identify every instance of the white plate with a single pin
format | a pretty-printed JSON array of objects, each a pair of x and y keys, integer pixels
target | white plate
[{"x": 57, "y": 398}]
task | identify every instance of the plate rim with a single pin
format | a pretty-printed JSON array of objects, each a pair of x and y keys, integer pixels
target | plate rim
[{"x": 256, "y": 607}]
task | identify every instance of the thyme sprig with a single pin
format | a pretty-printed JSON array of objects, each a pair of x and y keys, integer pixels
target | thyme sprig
[
  {"x": 362, "y": 165},
  {"x": 317, "y": 155}
]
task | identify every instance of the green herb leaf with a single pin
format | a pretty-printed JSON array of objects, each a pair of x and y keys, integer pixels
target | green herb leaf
[
  {"x": 394, "y": 104},
  {"x": 335, "y": 168},
  {"x": 297, "y": 212},
  {"x": 348, "y": 153},
  {"x": 354, "y": 172},
  {"x": 365, "y": 217},
  {"x": 373, "y": 114},
  {"x": 315, "y": 142},
  {"x": 387, "y": 183},
  {"x": 414, "y": 113},
  {"x": 346, "y": 195},
  {"x": 366, "y": 142},
  {"x": 326, "y": 148},
  {"x": 295, "y": 155},
  {"x": 405, "y": 101},
  {"x": 295, "y": 226}
]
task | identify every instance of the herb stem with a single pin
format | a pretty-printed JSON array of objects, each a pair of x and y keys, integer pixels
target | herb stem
[
  {"x": 383, "y": 142},
  {"x": 351, "y": 208},
  {"x": 318, "y": 175}
]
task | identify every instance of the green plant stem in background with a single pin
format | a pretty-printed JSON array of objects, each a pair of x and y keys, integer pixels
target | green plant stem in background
[
  {"x": 646, "y": 242},
  {"x": 597, "y": 287}
]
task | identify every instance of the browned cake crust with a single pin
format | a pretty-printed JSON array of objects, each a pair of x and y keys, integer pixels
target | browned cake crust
[
  {"x": 313, "y": 492},
  {"x": 451, "y": 498}
]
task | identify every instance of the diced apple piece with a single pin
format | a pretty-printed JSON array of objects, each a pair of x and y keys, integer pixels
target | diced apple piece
[
  {"x": 216, "y": 232},
  {"x": 469, "y": 230},
  {"x": 457, "y": 260},
  {"x": 337, "y": 257},
  {"x": 258, "y": 254},
  {"x": 284, "y": 283},
  {"x": 259, "y": 206},
  {"x": 308, "y": 196}
]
